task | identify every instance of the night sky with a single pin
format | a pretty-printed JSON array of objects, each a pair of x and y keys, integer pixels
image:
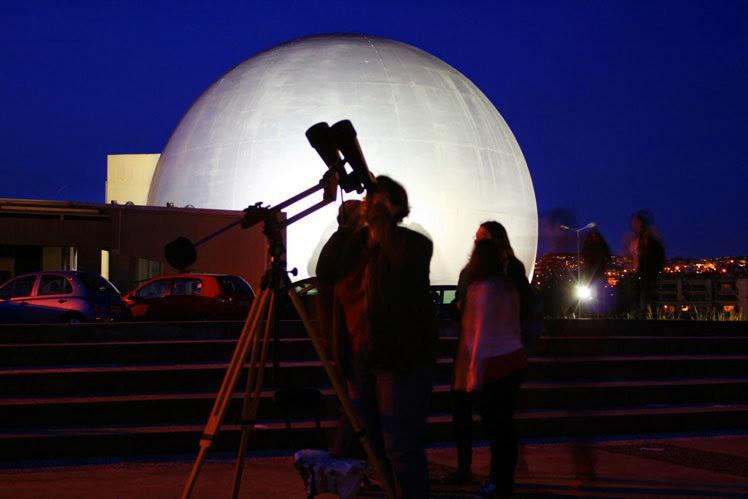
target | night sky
[{"x": 617, "y": 106}]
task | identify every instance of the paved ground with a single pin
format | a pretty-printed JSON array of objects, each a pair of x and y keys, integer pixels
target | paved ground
[{"x": 672, "y": 467}]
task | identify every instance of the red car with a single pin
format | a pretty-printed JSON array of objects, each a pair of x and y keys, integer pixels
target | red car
[{"x": 190, "y": 297}]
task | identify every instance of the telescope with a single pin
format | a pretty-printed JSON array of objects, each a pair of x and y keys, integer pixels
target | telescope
[
  {"x": 338, "y": 147},
  {"x": 332, "y": 141}
]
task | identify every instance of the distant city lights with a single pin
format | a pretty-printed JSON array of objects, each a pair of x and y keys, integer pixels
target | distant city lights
[{"x": 563, "y": 267}]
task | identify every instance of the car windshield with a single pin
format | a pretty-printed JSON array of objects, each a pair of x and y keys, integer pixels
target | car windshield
[
  {"x": 96, "y": 284},
  {"x": 235, "y": 284}
]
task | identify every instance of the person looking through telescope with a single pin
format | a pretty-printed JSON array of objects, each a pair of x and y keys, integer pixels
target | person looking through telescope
[
  {"x": 391, "y": 333},
  {"x": 328, "y": 272},
  {"x": 328, "y": 266}
]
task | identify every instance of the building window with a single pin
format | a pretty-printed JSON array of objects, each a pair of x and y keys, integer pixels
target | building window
[
  {"x": 69, "y": 258},
  {"x": 59, "y": 258},
  {"x": 105, "y": 264},
  {"x": 145, "y": 269}
]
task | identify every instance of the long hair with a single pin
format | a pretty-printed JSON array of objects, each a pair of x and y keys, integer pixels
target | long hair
[
  {"x": 484, "y": 262},
  {"x": 499, "y": 235}
]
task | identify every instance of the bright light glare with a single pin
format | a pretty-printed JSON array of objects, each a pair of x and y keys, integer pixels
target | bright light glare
[{"x": 584, "y": 292}]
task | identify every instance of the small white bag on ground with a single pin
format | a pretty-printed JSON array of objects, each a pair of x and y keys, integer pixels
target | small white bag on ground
[{"x": 322, "y": 473}]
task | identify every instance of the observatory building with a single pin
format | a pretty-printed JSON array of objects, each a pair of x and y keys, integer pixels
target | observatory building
[{"x": 418, "y": 120}]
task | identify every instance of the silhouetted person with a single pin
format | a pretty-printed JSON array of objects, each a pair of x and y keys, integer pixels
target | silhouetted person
[
  {"x": 462, "y": 400},
  {"x": 595, "y": 259},
  {"x": 391, "y": 334},
  {"x": 491, "y": 358},
  {"x": 328, "y": 273},
  {"x": 513, "y": 266},
  {"x": 595, "y": 256},
  {"x": 649, "y": 258},
  {"x": 328, "y": 270}
]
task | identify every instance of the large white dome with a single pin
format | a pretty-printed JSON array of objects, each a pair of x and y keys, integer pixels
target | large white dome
[{"x": 418, "y": 120}]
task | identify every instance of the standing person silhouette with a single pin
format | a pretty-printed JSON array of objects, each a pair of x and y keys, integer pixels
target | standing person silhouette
[
  {"x": 595, "y": 259},
  {"x": 328, "y": 272},
  {"x": 391, "y": 333},
  {"x": 328, "y": 268},
  {"x": 649, "y": 258},
  {"x": 491, "y": 359},
  {"x": 512, "y": 271}
]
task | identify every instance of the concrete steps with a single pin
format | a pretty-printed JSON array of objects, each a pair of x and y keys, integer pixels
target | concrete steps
[
  {"x": 652, "y": 328},
  {"x": 169, "y": 378},
  {"x": 106, "y": 352},
  {"x": 147, "y": 388},
  {"x": 165, "y": 408},
  {"x": 107, "y": 441},
  {"x": 555, "y": 328}
]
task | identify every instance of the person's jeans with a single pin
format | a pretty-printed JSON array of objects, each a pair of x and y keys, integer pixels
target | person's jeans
[
  {"x": 462, "y": 425},
  {"x": 497, "y": 405},
  {"x": 393, "y": 406}
]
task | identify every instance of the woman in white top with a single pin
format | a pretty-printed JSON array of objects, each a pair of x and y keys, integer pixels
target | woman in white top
[{"x": 490, "y": 357}]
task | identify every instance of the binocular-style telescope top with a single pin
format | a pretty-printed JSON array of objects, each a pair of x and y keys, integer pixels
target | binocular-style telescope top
[
  {"x": 331, "y": 142},
  {"x": 337, "y": 145}
]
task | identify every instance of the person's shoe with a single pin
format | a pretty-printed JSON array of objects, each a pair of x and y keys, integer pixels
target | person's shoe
[{"x": 458, "y": 477}]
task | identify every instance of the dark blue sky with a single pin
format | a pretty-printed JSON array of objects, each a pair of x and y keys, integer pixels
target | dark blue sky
[{"x": 616, "y": 105}]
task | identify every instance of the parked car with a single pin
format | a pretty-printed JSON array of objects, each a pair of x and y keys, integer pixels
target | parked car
[
  {"x": 444, "y": 296},
  {"x": 60, "y": 296},
  {"x": 306, "y": 289},
  {"x": 190, "y": 297}
]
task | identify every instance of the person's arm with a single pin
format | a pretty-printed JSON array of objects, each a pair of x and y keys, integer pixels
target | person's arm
[
  {"x": 460, "y": 293},
  {"x": 329, "y": 259},
  {"x": 516, "y": 274}
]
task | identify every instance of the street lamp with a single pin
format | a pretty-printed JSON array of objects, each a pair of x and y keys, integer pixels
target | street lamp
[{"x": 583, "y": 292}]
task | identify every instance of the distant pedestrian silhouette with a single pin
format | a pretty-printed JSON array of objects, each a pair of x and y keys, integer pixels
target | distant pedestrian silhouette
[
  {"x": 649, "y": 259},
  {"x": 595, "y": 259}
]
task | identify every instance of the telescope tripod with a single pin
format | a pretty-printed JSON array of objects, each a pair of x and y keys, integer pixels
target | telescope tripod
[
  {"x": 253, "y": 344},
  {"x": 330, "y": 142}
]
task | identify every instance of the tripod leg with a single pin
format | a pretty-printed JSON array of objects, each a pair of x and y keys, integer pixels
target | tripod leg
[
  {"x": 240, "y": 354},
  {"x": 187, "y": 491},
  {"x": 252, "y": 396},
  {"x": 345, "y": 402},
  {"x": 223, "y": 398}
]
